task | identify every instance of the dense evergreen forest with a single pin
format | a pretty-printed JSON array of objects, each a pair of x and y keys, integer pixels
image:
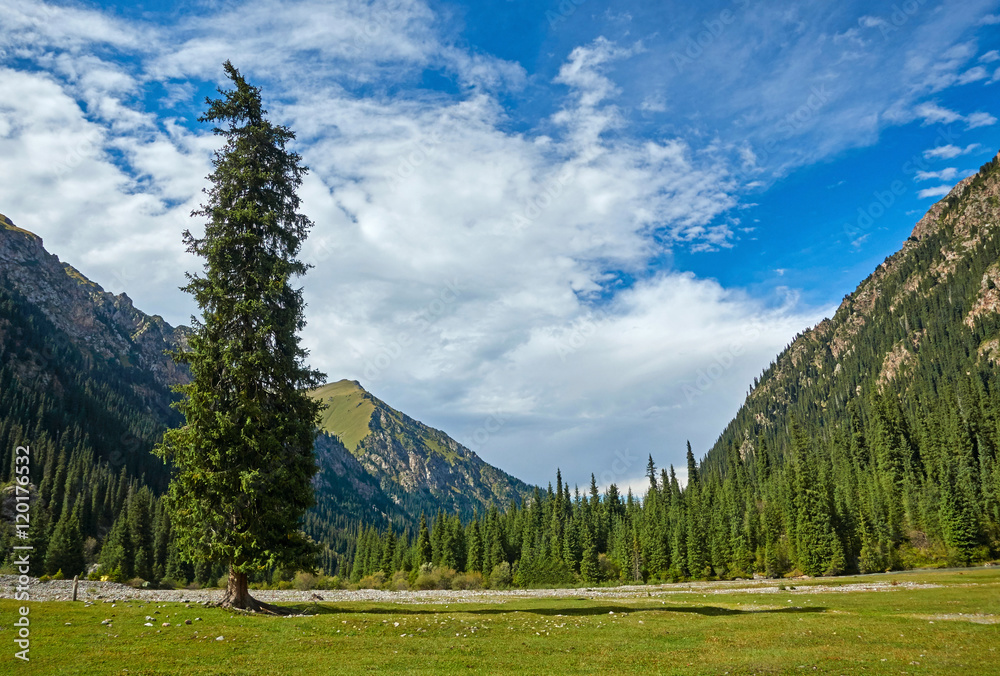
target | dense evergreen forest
[{"x": 872, "y": 443}]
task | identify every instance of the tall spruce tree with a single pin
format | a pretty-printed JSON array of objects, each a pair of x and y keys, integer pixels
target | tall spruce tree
[{"x": 244, "y": 459}]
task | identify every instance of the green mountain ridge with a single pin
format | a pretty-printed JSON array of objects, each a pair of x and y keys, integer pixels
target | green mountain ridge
[
  {"x": 86, "y": 381},
  {"x": 937, "y": 294},
  {"x": 420, "y": 468}
]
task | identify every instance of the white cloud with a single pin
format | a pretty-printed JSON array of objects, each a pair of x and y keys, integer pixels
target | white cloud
[
  {"x": 949, "y": 151},
  {"x": 979, "y": 120},
  {"x": 456, "y": 250},
  {"x": 943, "y": 175},
  {"x": 933, "y": 113},
  {"x": 937, "y": 191},
  {"x": 972, "y": 75},
  {"x": 990, "y": 20},
  {"x": 990, "y": 56}
]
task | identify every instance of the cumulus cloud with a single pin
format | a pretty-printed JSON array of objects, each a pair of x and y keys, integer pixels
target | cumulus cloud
[
  {"x": 458, "y": 264},
  {"x": 943, "y": 175},
  {"x": 949, "y": 151},
  {"x": 465, "y": 268},
  {"x": 937, "y": 191}
]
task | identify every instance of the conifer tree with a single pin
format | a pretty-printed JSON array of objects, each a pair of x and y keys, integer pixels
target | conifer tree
[
  {"x": 424, "y": 550},
  {"x": 117, "y": 555},
  {"x": 244, "y": 459},
  {"x": 589, "y": 570},
  {"x": 65, "y": 552}
]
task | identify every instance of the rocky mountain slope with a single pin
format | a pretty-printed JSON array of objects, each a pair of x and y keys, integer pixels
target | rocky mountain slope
[
  {"x": 82, "y": 371},
  {"x": 925, "y": 321},
  {"x": 103, "y": 324},
  {"x": 419, "y": 468},
  {"x": 395, "y": 466}
]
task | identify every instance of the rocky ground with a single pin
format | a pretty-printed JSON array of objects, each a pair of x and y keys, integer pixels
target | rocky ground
[{"x": 110, "y": 592}]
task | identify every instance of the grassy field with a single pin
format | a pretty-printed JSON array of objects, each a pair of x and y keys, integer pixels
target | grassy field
[{"x": 943, "y": 630}]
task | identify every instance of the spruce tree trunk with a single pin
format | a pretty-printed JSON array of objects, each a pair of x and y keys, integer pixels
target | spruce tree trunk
[{"x": 237, "y": 595}]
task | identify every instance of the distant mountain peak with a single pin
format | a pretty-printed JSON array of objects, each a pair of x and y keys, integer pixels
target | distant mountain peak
[
  {"x": 409, "y": 457},
  {"x": 104, "y": 324}
]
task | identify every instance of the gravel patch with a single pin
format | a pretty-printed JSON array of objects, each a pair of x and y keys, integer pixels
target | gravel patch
[{"x": 110, "y": 592}]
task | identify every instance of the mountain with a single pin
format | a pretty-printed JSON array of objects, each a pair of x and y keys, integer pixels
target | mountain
[
  {"x": 75, "y": 358},
  {"x": 85, "y": 379},
  {"x": 419, "y": 468},
  {"x": 872, "y": 443},
  {"x": 925, "y": 322},
  {"x": 107, "y": 326}
]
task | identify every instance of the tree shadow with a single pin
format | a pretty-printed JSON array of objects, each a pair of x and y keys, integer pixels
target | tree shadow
[{"x": 322, "y": 608}]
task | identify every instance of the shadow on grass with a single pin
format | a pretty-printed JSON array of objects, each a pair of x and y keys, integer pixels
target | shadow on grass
[{"x": 708, "y": 611}]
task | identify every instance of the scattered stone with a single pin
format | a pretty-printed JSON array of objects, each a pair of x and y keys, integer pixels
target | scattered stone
[
  {"x": 165, "y": 624},
  {"x": 187, "y": 621},
  {"x": 219, "y": 638},
  {"x": 148, "y": 624}
]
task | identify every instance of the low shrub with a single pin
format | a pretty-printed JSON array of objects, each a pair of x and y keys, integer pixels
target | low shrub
[
  {"x": 436, "y": 578},
  {"x": 374, "y": 581},
  {"x": 327, "y": 582},
  {"x": 473, "y": 580},
  {"x": 501, "y": 576},
  {"x": 304, "y": 581}
]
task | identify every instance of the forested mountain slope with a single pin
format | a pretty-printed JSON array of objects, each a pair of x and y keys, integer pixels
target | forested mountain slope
[
  {"x": 421, "y": 468},
  {"x": 924, "y": 322},
  {"x": 85, "y": 382},
  {"x": 871, "y": 443},
  {"x": 900, "y": 389}
]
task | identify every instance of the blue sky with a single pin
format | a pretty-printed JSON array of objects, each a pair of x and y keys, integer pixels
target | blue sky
[{"x": 563, "y": 233}]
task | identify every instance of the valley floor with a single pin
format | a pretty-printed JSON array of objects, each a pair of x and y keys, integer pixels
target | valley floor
[{"x": 920, "y": 622}]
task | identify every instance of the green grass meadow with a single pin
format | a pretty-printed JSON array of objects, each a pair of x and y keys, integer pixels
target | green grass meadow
[{"x": 902, "y": 631}]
